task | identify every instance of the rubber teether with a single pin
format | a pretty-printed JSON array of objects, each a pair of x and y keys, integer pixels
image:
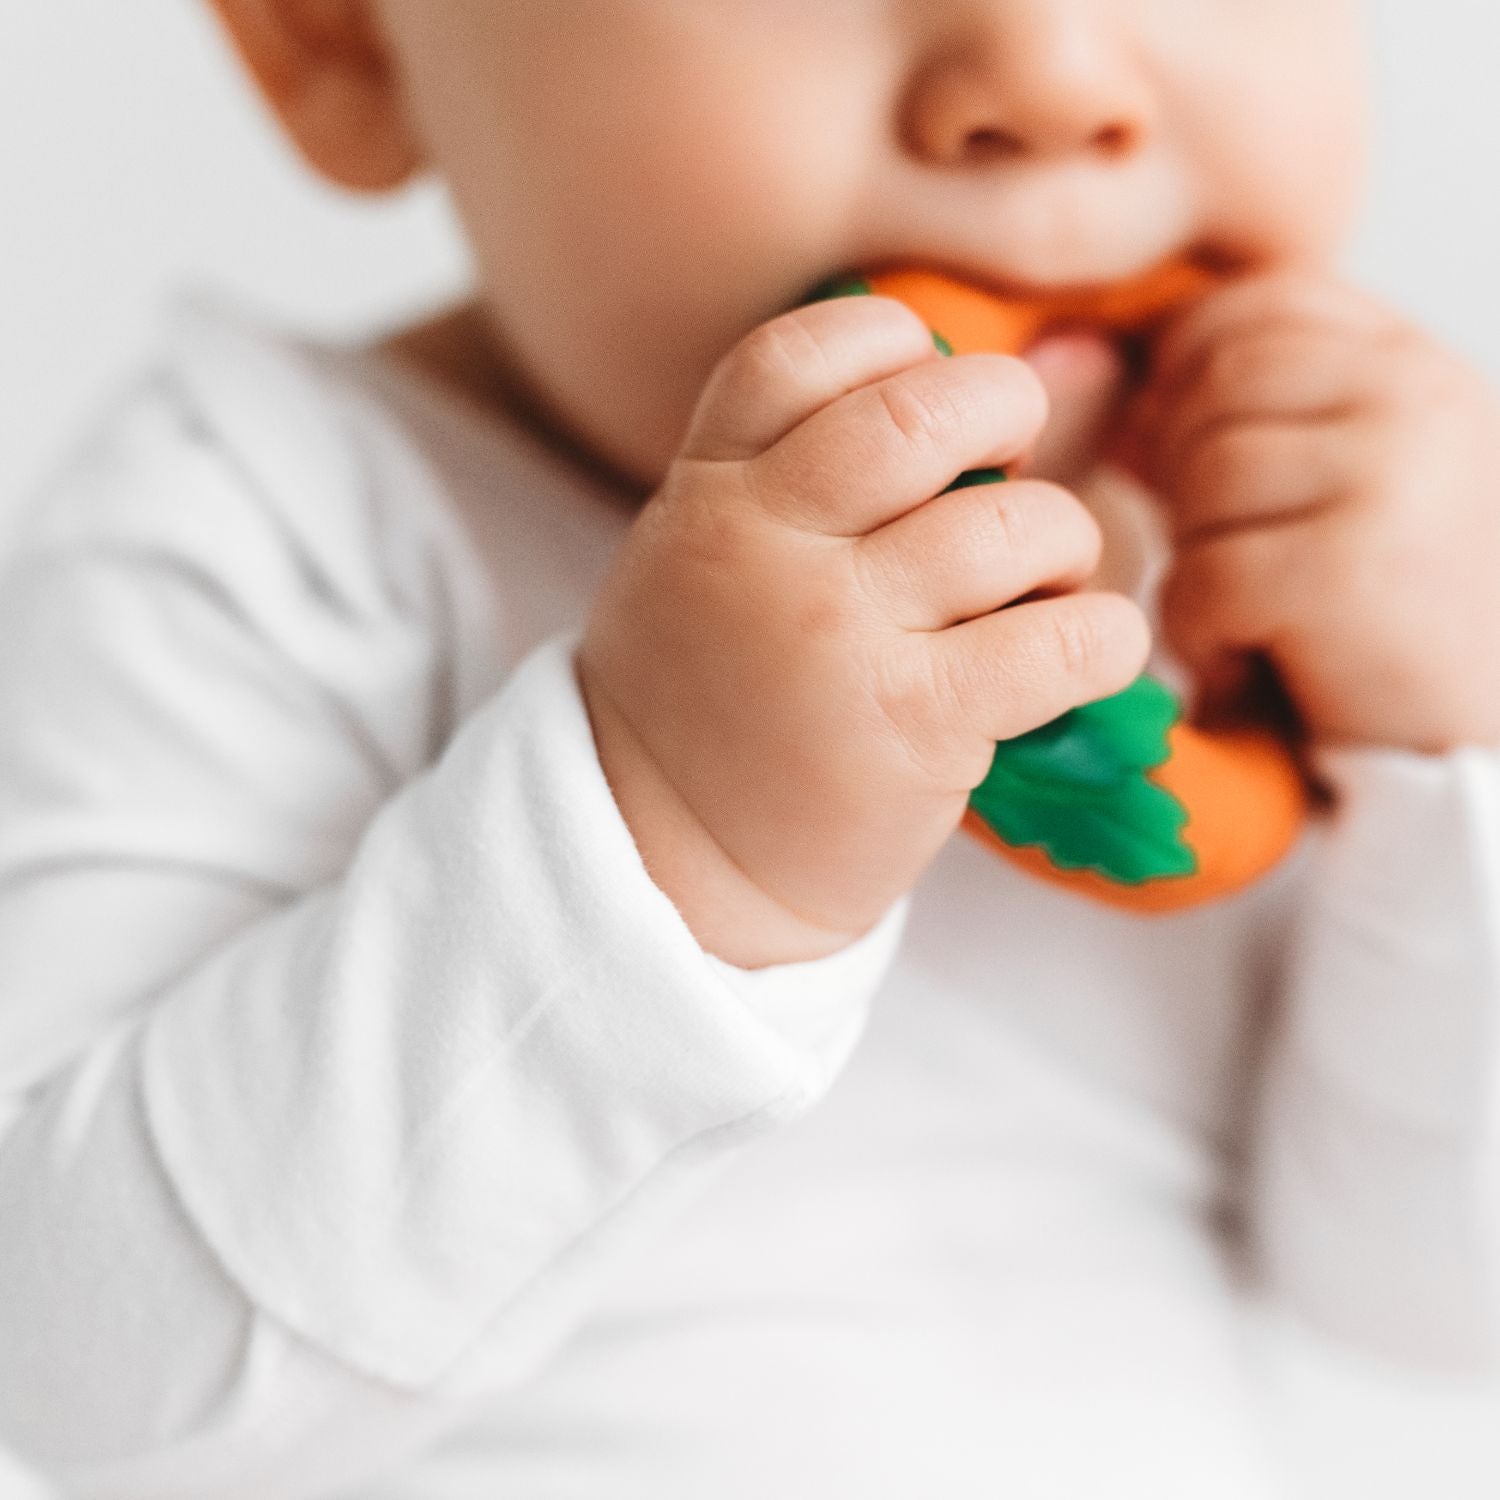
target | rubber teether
[{"x": 1122, "y": 800}]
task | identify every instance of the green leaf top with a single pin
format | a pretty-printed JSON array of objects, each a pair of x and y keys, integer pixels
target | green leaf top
[
  {"x": 1077, "y": 788},
  {"x": 973, "y": 478},
  {"x": 845, "y": 284}
]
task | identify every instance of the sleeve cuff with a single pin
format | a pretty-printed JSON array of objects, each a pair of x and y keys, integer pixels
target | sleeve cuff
[{"x": 810, "y": 1005}]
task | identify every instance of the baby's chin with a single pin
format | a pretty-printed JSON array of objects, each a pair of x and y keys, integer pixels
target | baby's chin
[{"x": 1087, "y": 379}]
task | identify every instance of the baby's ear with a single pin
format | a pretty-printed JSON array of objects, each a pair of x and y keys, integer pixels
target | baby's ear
[{"x": 326, "y": 70}]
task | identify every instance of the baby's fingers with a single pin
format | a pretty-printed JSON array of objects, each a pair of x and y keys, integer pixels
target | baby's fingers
[
  {"x": 886, "y": 448},
  {"x": 1279, "y": 373},
  {"x": 1256, "y": 473},
  {"x": 1256, "y": 589},
  {"x": 1011, "y": 672},
  {"x": 793, "y": 366},
  {"x": 974, "y": 550},
  {"x": 1280, "y": 301}
]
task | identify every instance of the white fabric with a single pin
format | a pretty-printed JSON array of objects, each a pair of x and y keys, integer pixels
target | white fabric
[{"x": 371, "y": 1125}]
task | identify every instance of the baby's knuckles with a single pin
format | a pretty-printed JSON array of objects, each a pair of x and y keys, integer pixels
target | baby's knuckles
[
  {"x": 913, "y": 695},
  {"x": 1234, "y": 368},
  {"x": 1385, "y": 589},
  {"x": 1220, "y": 474}
]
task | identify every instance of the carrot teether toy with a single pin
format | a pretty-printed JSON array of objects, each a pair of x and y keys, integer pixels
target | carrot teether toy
[{"x": 1122, "y": 799}]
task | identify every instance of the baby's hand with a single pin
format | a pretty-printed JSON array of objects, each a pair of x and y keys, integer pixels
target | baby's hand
[
  {"x": 1333, "y": 482},
  {"x": 800, "y": 662}
]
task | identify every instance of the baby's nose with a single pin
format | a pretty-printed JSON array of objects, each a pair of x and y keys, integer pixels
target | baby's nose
[{"x": 1034, "y": 79}]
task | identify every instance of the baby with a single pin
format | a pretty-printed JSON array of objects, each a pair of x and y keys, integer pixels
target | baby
[{"x": 464, "y": 803}]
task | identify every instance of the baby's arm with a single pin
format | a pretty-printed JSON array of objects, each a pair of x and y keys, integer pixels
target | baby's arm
[
  {"x": 327, "y": 1103},
  {"x": 1376, "y": 1180},
  {"x": 401, "y": 1070},
  {"x": 1329, "y": 470}
]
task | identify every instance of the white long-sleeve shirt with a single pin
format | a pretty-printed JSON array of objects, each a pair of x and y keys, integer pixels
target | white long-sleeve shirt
[{"x": 372, "y": 1126}]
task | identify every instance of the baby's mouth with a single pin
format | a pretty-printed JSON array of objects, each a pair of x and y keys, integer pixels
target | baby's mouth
[{"x": 1088, "y": 343}]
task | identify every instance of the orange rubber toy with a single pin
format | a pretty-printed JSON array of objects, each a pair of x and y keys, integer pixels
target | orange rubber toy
[{"x": 1121, "y": 800}]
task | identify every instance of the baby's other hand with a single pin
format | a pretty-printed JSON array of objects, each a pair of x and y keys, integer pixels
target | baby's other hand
[
  {"x": 801, "y": 660},
  {"x": 1332, "y": 478}
]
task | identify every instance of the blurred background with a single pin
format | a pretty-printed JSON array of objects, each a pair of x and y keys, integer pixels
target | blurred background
[{"x": 134, "y": 164}]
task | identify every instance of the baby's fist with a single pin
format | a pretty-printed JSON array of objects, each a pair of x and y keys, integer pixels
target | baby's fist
[
  {"x": 801, "y": 661},
  {"x": 1332, "y": 477}
]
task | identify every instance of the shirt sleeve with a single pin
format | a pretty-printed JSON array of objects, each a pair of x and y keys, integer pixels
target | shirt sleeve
[
  {"x": 1375, "y": 1183},
  {"x": 300, "y": 1153}
]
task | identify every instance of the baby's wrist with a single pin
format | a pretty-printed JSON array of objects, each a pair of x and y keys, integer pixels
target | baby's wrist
[{"x": 729, "y": 914}]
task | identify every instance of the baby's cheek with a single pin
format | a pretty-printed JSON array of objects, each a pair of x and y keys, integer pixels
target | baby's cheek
[{"x": 1278, "y": 123}]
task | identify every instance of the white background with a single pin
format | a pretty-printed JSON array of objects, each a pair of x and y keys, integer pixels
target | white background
[{"x": 132, "y": 161}]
